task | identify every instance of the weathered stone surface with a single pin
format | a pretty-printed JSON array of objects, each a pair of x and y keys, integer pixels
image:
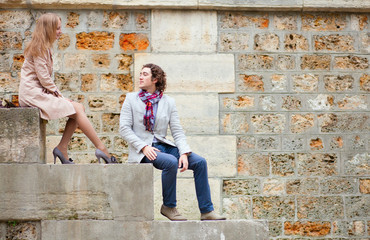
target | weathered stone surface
[
  {"x": 237, "y": 207},
  {"x": 232, "y": 42},
  {"x": 266, "y": 42},
  {"x": 305, "y": 82},
  {"x": 22, "y": 136},
  {"x": 285, "y": 21},
  {"x": 103, "y": 103},
  {"x": 330, "y": 122},
  {"x": 267, "y": 103},
  {"x": 365, "y": 82},
  {"x": 278, "y": 83},
  {"x": 255, "y": 61},
  {"x": 276, "y": 207},
  {"x": 320, "y": 207},
  {"x": 293, "y": 143},
  {"x": 317, "y": 164},
  {"x": 182, "y": 33},
  {"x": 351, "y": 63},
  {"x": 315, "y": 62},
  {"x": 94, "y": 40},
  {"x": 87, "y": 192},
  {"x": 73, "y": 20},
  {"x": 336, "y": 143},
  {"x": 282, "y": 164},
  {"x": 237, "y": 103},
  {"x": 115, "y": 19},
  {"x": 200, "y": 118},
  {"x": 338, "y": 186},
  {"x": 198, "y": 73},
  {"x": 134, "y": 41},
  {"x": 334, "y": 42},
  {"x": 237, "y": 20},
  {"x": 75, "y": 61},
  {"x": 338, "y": 83},
  {"x": 359, "y": 22},
  {"x": 357, "y": 228},
  {"x": 234, "y": 187},
  {"x": 110, "y": 122},
  {"x": 365, "y": 186},
  {"x": 295, "y": 42},
  {"x": 89, "y": 82},
  {"x": 5, "y": 62},
  {"x": 67, "y": 82},
  {"x": 23, "y": 230},
  {"x": 234, "y": 123},
  {"x": 357, "y": 206},
  {"x": 141, "y": 20},
  {"x": 100, "y": 60},
  {"x": 309, "y": 186},
  {"x": 273, "y": 187},
  {"x": 301, "y": 123},
  {"x": 219, "y": 151},
  {"x": 323, "y": 22},
  {"x": 322, "y": 102},
  {"x": 10, "y": 41},
  {"x": 353, "y": 102},
  {"x": 316, "y": 144},
  {"x": 275, "y": 228},
  {"x": 291, "y": 103},
  {"x": 365, "y": 42},
  {"x": 245, "y": 143},
  {"x": 124, "y": 62},
  {"x": 18, "y": 60},
  {"x": 268, "y": 123},
  {"x": 15, "y": 19},
  {"x": 251, "y": 83},
  {"x": 285, "y": 62},
  {"x": 116, "y": 82},
  {"x": 311, "y": 229},
  {"x": 268, "y": 143},
  {"x": 254, "y": 164},
  {"x": 358, "y": 164}
]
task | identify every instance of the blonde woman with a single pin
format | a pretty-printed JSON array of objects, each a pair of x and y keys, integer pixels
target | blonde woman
[{"x": 37, "y": 89}]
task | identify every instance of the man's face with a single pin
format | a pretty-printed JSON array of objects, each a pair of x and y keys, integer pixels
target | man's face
[{"x": 145, "y": 80}]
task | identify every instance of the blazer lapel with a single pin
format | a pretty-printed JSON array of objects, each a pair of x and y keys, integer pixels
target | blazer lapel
[{"x": 159, "y": 111}]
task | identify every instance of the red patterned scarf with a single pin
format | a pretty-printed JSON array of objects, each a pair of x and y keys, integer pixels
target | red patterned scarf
[{"x": 149, "y": 100}]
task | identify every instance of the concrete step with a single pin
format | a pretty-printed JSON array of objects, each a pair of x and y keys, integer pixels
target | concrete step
[
  {"x": 91, "y": 191},
  {"x": 154, "y": 230}
]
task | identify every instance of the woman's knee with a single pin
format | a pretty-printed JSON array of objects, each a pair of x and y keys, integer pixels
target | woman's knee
[{"x": 78, "y": 107}]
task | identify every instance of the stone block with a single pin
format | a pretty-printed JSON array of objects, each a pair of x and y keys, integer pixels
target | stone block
[
  {"x": 234, "y": 123},
  {"x": 323, "y": 22},
  {"x": 89, "y": 82},
  {"x": 291, "y": 103},
  {"x": 309, "y": 186},
  {"x": 365, "y": 42},
  {"x": 275, "y": 228},
  {"x": 10, "y": 41},
  {"x": 15, "y": 19},
  {"x": 115, "y": 19},
  {"x": 22, "y": 136},
  {"x": 237, "y": 103},
  {"x": 200, "y": 115},
  {"x": 116, "y": 83},
  {"x": 334, "y": 42},
  {"x": 96, "y": 229},
  {"x": 358, "y": 102},
  {"x": 321, "y": 102},
  {"x": 282, "y": 165},
  {"x": 293, "y": 143},
  {"x": 134, "y": 42},
  {"x": 254, "y": 164},
  {"x": 5, "y": 62},
  {"x": 328, "y": 207},
  {"x": 219, "y": 151},
  {"x": 73, "y": 20},
  {"x": 267, "y": 103},
  {"x": 300, "y": 123},
  {"x": 338, "y": 186},
  {"x": 217, "y": 230},
  {"x": 266, "y": 42},
  {"x": 295, "y": 42},
  {"x": 355, "y": 5},
  {"x": 365, "y": 82},
  {"x": 195, "y": 31},
  {"x": 8, "y": 83},
  {"x": 338, "y": 83},
  {"x": 64, "y": 42},
  {"x": 285, "y": 21},
  {"x": 359, "y": 22},
  {"x": 351, "y": 63},
  {"x": 246, "y": 142},
  {"x": 305, "y": 83},
  {"x": 365, "y": 186},
  {"x": 268, "y": 143},
  {"x": 315, "y": 62},
  {"x": 268, "y": 123},
  {"x": 278, "y": 82},
  {"x": 75, "y": 62},
  {"x": 273, "y": 207},
  {"x": 124, "y": 62},
  {"x": 243, "y": 20},
  {"x": 250, "y": 83},
  {"x": 74, "y": 192},
  {"x": 18, "y": 60},
  {"x": 233, "y": 42},
  {"x": 357, "y": 206},
  {"x": 285, "y": 62},
  {"x": 103, "y": 103},
  {"x": 344, "y": 123},
  {"x": 237, "y": 207},
  {"x": 316, "y": 144},
  {"x": 307, "y": 229},
  {"x": 240, "y": 187},
  {"x": 101, "y": 61},
  {"x": 94, "y": 40},
  {"x": 110, "y": 123},
  {"x": 67, "y": 81},
  {"x": 317, "y": 164},
  {"x": 192, "y": 73},
  {"x": 23, "y": 230},
  {"x": 255, "y": 62},
  {"x": 273, "y": 187},
  {"x": 357, "y": 164}
]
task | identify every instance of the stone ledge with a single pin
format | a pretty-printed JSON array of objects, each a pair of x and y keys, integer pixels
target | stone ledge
[
  {"x": 91, "y": 191},
  {"x": 155, "y": 230},
  {"x": 250, "y": 5}
]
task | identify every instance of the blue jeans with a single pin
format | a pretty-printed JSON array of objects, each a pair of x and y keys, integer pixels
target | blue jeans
[{"x": 167, "y": 161}]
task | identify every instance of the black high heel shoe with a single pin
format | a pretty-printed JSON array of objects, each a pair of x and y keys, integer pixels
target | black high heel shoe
[
  {"x": 100, "y": 154},
  {"x": 59, "y": 154}
]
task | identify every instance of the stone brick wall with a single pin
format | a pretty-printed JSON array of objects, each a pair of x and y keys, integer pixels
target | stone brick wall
[{"x": 278, "y": 103}]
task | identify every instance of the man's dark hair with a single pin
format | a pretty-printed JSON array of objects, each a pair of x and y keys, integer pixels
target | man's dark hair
[{"x": 159, "y": 74}]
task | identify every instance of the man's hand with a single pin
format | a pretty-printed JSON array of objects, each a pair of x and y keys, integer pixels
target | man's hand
[
  {"x": 150, "y": 152},
  {"x": 183, "y": 161}
]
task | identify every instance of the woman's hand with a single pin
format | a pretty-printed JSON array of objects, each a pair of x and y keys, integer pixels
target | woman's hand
[{"x": 150, "y": 152}]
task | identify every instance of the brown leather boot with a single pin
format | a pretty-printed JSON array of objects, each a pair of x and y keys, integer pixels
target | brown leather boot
[
  {"x": 209, "y": 216},
  {"x": 172, "y": 214}
]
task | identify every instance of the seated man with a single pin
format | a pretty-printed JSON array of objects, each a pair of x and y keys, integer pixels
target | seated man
[{"x": 144, "y": 120}]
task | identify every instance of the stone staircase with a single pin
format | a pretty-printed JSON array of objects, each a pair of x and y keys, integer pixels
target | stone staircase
[{"x": 40, "y": 201}]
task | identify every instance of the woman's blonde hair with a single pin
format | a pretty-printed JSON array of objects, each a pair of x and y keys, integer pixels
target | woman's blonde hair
[{"x": 43, "y": 36}]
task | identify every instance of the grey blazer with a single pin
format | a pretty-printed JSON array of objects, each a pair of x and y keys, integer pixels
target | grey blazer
[{"x": 133, "y": 130}]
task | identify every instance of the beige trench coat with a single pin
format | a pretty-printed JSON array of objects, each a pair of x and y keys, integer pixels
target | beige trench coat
[{"x": 35, "y": 77}]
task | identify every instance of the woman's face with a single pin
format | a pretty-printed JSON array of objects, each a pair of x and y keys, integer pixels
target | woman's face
[{"x": 59, "y": 29}]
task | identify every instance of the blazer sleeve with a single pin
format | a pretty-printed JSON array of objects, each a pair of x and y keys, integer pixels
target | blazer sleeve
[
  {"x": 126, "y": 125},
  {"x": 177, "y": 131},
  {"x": 42, "y": 72}
]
